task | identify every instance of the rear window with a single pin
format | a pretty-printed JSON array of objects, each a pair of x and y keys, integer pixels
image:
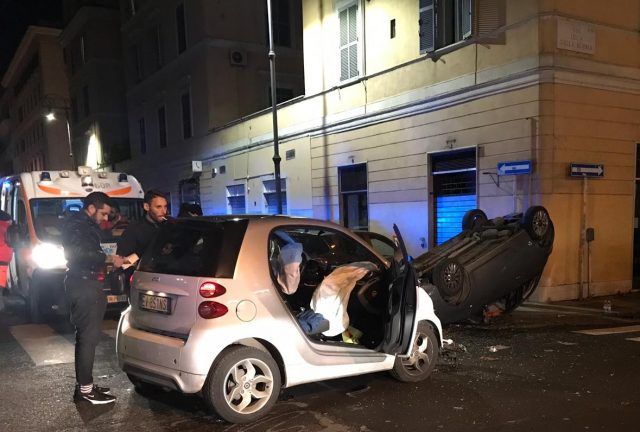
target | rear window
[{"x": 195, "y": 248}]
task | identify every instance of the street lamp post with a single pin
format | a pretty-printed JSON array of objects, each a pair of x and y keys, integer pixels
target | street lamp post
[
  {"x": 274, "y": 110},
  {"x": 53, "y": 102}
]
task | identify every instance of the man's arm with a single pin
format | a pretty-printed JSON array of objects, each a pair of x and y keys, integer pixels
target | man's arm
[
  {"x": 127, "y": 243},
  {"x": 81, "y": 249}
]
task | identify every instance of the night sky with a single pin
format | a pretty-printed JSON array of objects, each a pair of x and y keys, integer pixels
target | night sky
[{"x": 16, "y": 16}]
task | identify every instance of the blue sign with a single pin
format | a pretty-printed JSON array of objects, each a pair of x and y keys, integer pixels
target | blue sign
[
  {"x": 514, "y": 168},
  {"x": 586, "y": 170}
]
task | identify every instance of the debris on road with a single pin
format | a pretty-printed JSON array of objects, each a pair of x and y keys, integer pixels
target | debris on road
[{"x": 496, "y": 348}]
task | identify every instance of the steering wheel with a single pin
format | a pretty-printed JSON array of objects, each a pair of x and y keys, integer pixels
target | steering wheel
[{"x": 312, "y": 270}]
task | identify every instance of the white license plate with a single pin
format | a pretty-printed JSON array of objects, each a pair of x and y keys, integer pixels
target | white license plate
[
  {"x": 155, "y": 303},
  {"x": 116, "y": 298}
]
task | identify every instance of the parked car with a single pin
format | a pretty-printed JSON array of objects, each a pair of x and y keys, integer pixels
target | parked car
[
  {"x": 209, "y": 313},
  {"x": 492, "y": 266}
]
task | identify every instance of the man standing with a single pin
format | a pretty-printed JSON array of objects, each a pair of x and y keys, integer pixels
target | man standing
[
  {"x": 87, "y": 301},
  {"x": 137, "y": 237}
]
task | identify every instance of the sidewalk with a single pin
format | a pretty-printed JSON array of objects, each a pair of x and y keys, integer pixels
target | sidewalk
[{"x": 622, "y": 305}]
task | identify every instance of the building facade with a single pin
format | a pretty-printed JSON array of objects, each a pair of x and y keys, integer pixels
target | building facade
[
  {"x": 409, "y": 107},
  {"x": 35, "y": 85},
  {"x": 194, "y": 66},
  {"x": 93, "y": 57}
]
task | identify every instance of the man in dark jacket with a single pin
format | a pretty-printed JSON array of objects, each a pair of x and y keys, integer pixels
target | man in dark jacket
[
  {"x": 137, "y": 237},
  {"x": 86, "y": 262}
]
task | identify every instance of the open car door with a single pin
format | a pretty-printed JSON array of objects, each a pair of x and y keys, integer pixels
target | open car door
[{"x": 401, "y": 307}]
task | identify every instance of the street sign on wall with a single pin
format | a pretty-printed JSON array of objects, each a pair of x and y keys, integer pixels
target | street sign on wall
[
  {"x": 514, "y": 167},
  {"x": 586, "y": 170}
]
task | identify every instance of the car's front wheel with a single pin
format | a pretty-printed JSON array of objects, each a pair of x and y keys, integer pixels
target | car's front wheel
[
  {"x": 243, "y": 384},
  {"x": 424, "y": 355}
]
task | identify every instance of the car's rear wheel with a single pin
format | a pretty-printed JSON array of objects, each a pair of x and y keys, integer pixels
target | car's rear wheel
[
  {"x": 243, "y": 384},
  {"x": 474, "y": 219},
  {"x": 452, "y": 280},
  {"x": 537, "y": 222},
  {"x": 424, "y": 355}
]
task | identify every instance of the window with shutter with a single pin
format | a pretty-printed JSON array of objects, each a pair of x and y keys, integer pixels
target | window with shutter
[
  {"x": 446, "y": 22},
  {"x": 271, "y": 197},
  {"x": 236, "y": 199},
  {"x": 349, "y": 42},
  {"x": 427, "y": 26}
]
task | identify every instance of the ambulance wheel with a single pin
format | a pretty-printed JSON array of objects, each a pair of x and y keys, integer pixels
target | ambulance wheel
[{"x": 33, "y": 303}]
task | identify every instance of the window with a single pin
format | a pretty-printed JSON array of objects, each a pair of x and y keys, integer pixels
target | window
[
  {"x": 236, "y": 199},
  {"x": 181, "y": 31},
  {"x": 185, "y": 100},
  {"x": 281, "y": 23},
  {"x": 143, "y": 136},
  {"x": 349, "y": 42},
  {"x": 137, "y": 65},
  {"x": 85, "y": 95},
  {"x": 353, "y": 196},
  {"x": 445, "y": 22},
  {"x": 282, "y": 95},
  {"x": 158, "y": 47},
  {"x": 271, "y": 197},
  {"x": 83, "y": 55},
  {"x": 162, "y": 127}
]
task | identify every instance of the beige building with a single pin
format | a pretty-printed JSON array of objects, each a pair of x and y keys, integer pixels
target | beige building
[
  {"x": 194, "y": 66},
  {"x": 93, "y": 57},
  {"x": 35, "y": 85},
  {"x": 409, "y": 107}
]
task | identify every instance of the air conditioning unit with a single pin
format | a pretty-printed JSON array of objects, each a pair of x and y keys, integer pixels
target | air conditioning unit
[{"x": 237, "y": 58}]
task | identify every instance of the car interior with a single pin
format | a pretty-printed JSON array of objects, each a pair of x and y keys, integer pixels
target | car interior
[{"x": 323, "y": 251}]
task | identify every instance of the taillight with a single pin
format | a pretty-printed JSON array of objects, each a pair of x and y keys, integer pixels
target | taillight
[
  {"x": 211, "y": 309},
  {"x": 211, "y": 289}
]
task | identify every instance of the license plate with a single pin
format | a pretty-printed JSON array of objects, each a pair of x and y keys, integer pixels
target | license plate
[
  {"x": 116, "y": 298},
  {"x": 155, "y": 303}
]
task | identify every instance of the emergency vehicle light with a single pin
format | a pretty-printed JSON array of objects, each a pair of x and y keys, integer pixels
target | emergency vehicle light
[
  {"x": 87, "y": 181},
  {"x": 123, "y": 178},
  {"x": 45, "y": 176},
  {"x": 102, "y": 174},
  {"x": 64, "y": 174}
]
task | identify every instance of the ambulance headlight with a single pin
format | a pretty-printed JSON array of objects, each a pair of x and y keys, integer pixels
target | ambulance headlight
[{"x": 49, "y": 256}]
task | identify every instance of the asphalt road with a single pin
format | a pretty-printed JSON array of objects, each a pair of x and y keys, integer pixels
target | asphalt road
[{"x": 529, "y": 371}]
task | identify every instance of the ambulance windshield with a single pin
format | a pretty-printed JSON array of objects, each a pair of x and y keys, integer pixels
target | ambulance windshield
[{"x": 49, "y": 215}]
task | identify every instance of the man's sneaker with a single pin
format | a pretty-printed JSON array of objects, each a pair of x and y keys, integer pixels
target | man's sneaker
[
  {"x": 105, "y": 390},
  {"x": 94, "y": 396}
]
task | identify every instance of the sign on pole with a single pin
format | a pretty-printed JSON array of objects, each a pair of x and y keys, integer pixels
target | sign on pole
[
  {"x": 586, "y": 170},
  {"x": 514, "y": 167}
]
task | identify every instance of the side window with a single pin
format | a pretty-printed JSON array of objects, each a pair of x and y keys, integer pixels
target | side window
[
  {"x": 22, "y": 213},
  {"x": 382, "y": 247}
]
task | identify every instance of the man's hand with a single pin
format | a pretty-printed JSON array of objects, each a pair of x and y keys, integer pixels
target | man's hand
[{"x": 116, "y": 260}]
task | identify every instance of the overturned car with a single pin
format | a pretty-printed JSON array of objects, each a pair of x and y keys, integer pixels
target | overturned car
[{"x": 491, "y": 267}]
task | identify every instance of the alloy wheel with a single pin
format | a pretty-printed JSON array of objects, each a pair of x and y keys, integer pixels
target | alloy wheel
[
  {"x": 540, "y": 223},
  {"x": 421, "y": 355},
  {"x": 248, "y": 386}
]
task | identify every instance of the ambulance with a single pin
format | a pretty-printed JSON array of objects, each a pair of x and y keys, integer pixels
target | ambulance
[{"x": 38, "y": 203}]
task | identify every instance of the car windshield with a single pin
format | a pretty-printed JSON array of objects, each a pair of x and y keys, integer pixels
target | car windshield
[{"x": 49, "y": 214}]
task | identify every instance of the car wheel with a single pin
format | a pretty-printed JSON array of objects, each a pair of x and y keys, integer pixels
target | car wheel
[
  {"x": 474, "y": 219},
  {"x": 537, "y": 222},
  {"x": 243, "y": 384},
  {"x": 452, "y": 281},
  {"x": 424, "y": 355}
]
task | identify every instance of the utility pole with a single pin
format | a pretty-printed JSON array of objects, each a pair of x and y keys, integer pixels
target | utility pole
[{"x": 274, "y": 110}]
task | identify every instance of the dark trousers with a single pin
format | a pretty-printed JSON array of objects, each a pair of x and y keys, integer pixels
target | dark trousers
[{"x": 87, "y": 305}]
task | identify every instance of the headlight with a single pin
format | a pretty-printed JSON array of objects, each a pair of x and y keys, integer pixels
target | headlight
[{"x": 49, "y": 256}]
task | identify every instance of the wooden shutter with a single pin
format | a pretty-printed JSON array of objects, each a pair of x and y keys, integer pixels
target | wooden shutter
[
  {"x": 427, "y": 25},
  {"x": 348, "y": 42},
  {"x": 490, "y": 17}
]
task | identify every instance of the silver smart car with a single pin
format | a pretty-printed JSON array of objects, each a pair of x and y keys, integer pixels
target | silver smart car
[{"x": 216, "y": 309}]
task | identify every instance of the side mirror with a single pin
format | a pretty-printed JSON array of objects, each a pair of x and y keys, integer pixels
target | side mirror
[{"x": 13, "y": 235}]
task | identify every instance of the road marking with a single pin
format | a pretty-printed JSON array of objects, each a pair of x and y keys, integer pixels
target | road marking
[
  {"x": 634, "y": 339},
  {"x": 610, "y": 330},
  {"x": 110, "y": 328},
  {"x": 43, "y": 344}
]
